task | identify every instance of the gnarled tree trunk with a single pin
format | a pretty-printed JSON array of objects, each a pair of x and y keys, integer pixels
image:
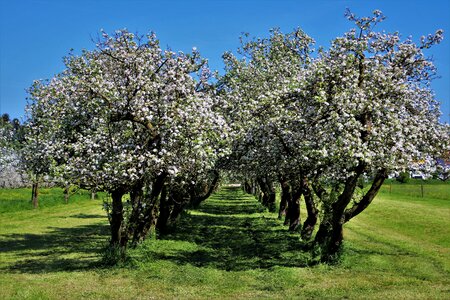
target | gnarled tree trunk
[
  {"x": 137, "y": 211},
  {"x": 285, "y": 196},
  {"x": 196, "y": 198},
  {"x": 311, "y": 220},
  {"x": 268, "y": 193},
  {"x": 165, "y": 208},
  {"x": 293, "y": 212},
  {"x": 118, "y": 234},
  {"x": 147, "y": 221},
  {"x": 330, "y": 234}
]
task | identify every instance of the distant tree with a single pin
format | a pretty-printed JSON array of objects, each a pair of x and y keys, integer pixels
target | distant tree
[
  {"x": 6, "y": 144},
  {"x": 35, "y": 159},
  {"x": 11, "y": 138},
  {"x": 5, "y": 118},
  {"x": 403, "y": 177}
]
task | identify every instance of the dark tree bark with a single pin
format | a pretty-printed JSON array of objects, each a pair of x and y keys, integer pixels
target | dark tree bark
[
  {"x": 330, "y": 234},
  {"x": 271, "y": 196},
  {"x": 164, "y": 210},
  {"x": 311, "y": 220},
  {"x": 176, "y": 202},
  {"x": 285, "y": 196},
  {"x": 177, "y": 208},
  {"x": 35, "y": 194},
  {"x": 264, "y": 194},
  {"x": 150, "y": 211},
  {"x": 254, "y": 188},
  {"x": 357, "y": 208},
  {"x": 118, "y": 235},
  {"x": 196, "y": 198},
  {"x": 293, "y": 212},
  {"x": 261, "y": 197},
  {"x": 268, "y": 193},
  {"x": 137, "y": 211},
  {"x": 247, "y": 187}
]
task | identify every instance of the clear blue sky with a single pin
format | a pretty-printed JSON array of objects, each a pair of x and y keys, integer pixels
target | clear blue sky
[{"x": 36, "y": 34}]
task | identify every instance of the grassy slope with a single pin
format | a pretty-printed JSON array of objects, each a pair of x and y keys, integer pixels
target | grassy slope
[{"x": 229, "y": 248}]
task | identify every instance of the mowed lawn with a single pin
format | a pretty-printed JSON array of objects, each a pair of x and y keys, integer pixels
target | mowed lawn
[{"x": 229, "y": 248}]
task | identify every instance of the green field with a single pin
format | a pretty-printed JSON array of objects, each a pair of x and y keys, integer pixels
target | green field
[{"x": 229, "y": 248}]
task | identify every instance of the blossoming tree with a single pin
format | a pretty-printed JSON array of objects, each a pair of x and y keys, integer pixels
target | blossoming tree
[
  {"x": 265, "y": 148},
  {"x": 11, "y": 171},
  {"x": 370, "y": 112},
  {"x": 129, "y": 117},
  {"x": 363, "y": 108}
]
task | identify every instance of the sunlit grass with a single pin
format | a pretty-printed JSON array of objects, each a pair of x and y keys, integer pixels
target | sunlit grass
[
  {"x": 12, "y": 200},
  {"x": 433, "y": 189}
]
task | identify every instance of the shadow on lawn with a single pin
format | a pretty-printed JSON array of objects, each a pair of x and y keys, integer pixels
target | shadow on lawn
[
  {"x": 228, "y": 230},
  {"x": 232, "y": 237},
  {"x": 53, "y": 251}
]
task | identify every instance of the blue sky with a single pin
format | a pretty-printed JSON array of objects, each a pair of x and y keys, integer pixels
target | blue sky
[{"x": 36, "y": 34}]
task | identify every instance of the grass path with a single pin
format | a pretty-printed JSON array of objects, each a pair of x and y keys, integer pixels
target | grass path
[
  {"x": 229, "y": 248},
  {"x": 234, "y": 233}
]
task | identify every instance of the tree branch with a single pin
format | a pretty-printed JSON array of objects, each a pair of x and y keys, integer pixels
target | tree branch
[{"x": 368, "y": 197}]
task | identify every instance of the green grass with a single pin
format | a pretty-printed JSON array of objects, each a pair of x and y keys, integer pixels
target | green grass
[
  {"x": 230, "y": 248},
  {"x": 417, "y": 190},
  {"x": 12, "y": 200}
]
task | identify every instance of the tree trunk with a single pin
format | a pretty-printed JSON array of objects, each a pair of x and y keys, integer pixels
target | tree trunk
[
  {"x": 247, "y": 187},
  {"x": 254, "y": 188},
  {"x": 93, "y": 194},
  {"x": 268, "y": 193},
  {"x": 35, "y": 194},
  {"x": 271, "y": 196},
  {"x": 66, "y": 194},
  {"x": 330, "y": 235},
  {"x": 285, "y": 196},
  {"x": 311, "y": 220},
  {"x": 118, "y": 236},
  {"x": 150, "y": 212},
  {"x": 164, "y": 211},
  {"x": 293, "y": 212},
  {"x": 176, "y": 204},
  {"x": 263, "y": 195},
  {"x": 175, "y": 213},
  {"x": 137, "y": 211},
  {"x": 368, "y": 197},
  {"x": 197, "y": 199}
]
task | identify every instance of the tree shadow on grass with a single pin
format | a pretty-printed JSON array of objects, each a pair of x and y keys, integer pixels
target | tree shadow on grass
[
  {"x": 87, "y": 216},
  {"x": 60, "y": 249},
  {"x": 227, "y": 228},
  {"x": 233, "y": 236}
]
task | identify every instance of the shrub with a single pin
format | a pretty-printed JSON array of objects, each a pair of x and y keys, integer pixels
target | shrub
[{"x": 403, "y": 177}]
